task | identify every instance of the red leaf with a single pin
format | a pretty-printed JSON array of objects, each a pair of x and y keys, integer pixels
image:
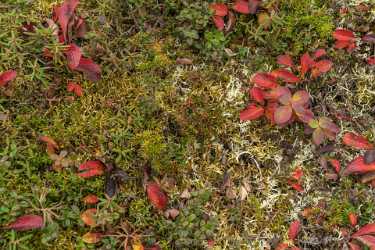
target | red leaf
[
  {"x": 264, "y": 80},
  {"x": 241, "y": 6},
  {"x": 80, "y": 28},
  {"x": 219, "y": 9},
  {"x": 294, "y": 229},
  {"x": 219, "y": 22},
  {"x": 342, "y": 44},
  {"x": 319, "y": 53},
  {"x": 75, "y": 88},
  {"x": 354, "y": 246},
  {"x": 318, "y": 136},
  {"x": 63, "y": 14},
  {"x": 92, "y": 238},
  {"x": 327, "y": 124},
  {"x": 91, "y": 169},
  {"x": 285, "y": 75},
  {"x": 296, "y": 186},
  {"x": 283, "y": 114},
  {"x": 254, "y": 5},
  {"x": 89, "y": 68},
  {"x": 371, "y": 60},
  {"x": 353, "y": 219},
  {"x": 285, "y": 60},
  {"x": 91, "y": 199},
  {"x": 7, "y": 76},
  {"x": 26, "y": 222},
  {"x": 306, "y": 63},
  {"x": 368, "y": 240},
  {"x": 366, "y": 229},
  {"x": 358, "y": 166},
  {"x": 356, "y": 141},
  {"x": 282, "y": 246},
  {"x": 156, "y": 196},
  {"x": 257, "y": 94},
  {"x": 336, "y": 165},
  {"x": 323, "y": 66},
  {"x": 304, "y": 115},
  {"x": 270, "y": 111},
  {"x": 73, "y": 55},
  {"x": 297, "y": 174},
  {"x": 277, "y": 93},
  {"x": 301, "y": 97},
  {"x": 88, "y": 217},
  {"x": 252, "y": 112},
  {"x": 344, "y": 35}
]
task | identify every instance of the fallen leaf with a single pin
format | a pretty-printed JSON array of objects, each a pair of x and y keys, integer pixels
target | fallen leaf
[
  {"x": 358, "y": 166},
  {"x": 88, "y": 217},
  {"x": 7, "y": 76},
  {"x": 353, "y": 219},
  {"x": 91, "y": 70},
  {"x": 319, "y": 53},
  {"x": 26, "y": 222},
  {"x": 63, "y": 14},
  {"x": 369, "y": 157},
  {"x": 91, "y": 199},
  {"x": 219, "y": 9},
  {"x": 156, "y": 196},
  {"x": 241, "y": 6},
  {"x": 285, "y": 75},
  {"x": 257, "y": 94},
  {"x": 264, "y": 80},
  {"x": 219, "y": 22},
  {"x": 323, "y": 66},
  {"x": 92, "y": 238},
  {"x": 252, "y": 112},
  {"x": 356, "y": 141},
  {"x": 91, "y": 169},
  {"x": 285, "y": 60},
  {"x": 73, "y": 56},
  {"x": 344, "y": 35},
  {"x": 294, "y": 229},
  {"x": 75, "y": 88},
  {"x": 283, "y": 114}
]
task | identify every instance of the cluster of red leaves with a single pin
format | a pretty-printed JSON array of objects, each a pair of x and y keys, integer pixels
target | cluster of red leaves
[
  {"x": 293, "y": 231},
  {"x": 7, "y": 76},
  {"x": 365, "y": 235},
  {"x": 346, "y": 39},
  {"x": 295, "y": 180},
  {"x": 88, "y": 217},
  {"x": 222, "y": 12},
  {"x": 279, "y": 105}
]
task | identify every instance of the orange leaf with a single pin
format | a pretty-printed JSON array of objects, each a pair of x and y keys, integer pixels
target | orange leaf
[
  {"x": 358, "y": 166},
  {"x": 264, "y": 80},
  {"x": 219, "y": 9},
  {"x": 92, "y": 238},
  {"x": 283, "y": 114},
  {"x": 353, "y": 219},
  {"x": 285, "y": 60},
  {"x": 294, "y": 229},
  {"x": 285, "y": 75},
  {"x": 156, "y": 196},
  {"x": 75, "y": 88},
  {"x": 91, "y": 168},
  {"x": 91, "y": 199},
  {"x": 88, "y": 217},
  {"x": 344, "y": 35},
  {"x": 336, "y": 165},
  {"x": 252, "y": 112},
  {"x": 26, "y": 222},
  {"x": 356, "y": 141},
  {"x": 241, "y": 6}
]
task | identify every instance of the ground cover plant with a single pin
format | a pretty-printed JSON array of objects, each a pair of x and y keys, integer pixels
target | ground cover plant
[{"x": 241, "y": 124}]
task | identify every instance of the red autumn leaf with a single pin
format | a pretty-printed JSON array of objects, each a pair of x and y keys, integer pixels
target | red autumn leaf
[
  {"x": 368, "y": 240},
  {"x": 91, "y": 70},
  {"x": 323, "y": 66},
  {"x": 301, "y": 97},
  {"x": 342, "y": 44},
  {"x": 80, "y": 28},
  {"x": 297, "y": 174},
  {"x": 91, "y": 199},
  {"x": 371, "y": 60},
  {"x": 51, "y": 142},
  {"x": 353, "y": 219},
  {"x": 319, "y": 53},
  {"x": 219, "y": 9},
  {"x": 7, "y": 76},
  {"x": 356, "y": 141},
  {"x": 294, "y": 229},
  {"x": 254, "y": 5},
  {"x": 26, "y": 222},
  {"x": 241, "y": 6},
  {"x": 366, "y": 229},
  {"x": 285, "y": 75},
  {"x": 264, "y": 80},
  {"x": 283, "y": 114},
  {"x": 88, "y": 217},
  {"x": 63, "y": 14},
  {"x": 351, "y": 46},
  {"x": 336, "y": 165},
  {"x": 354, "y": 246},
  {"x": 219, "y": 22},
  {"x": 306, "y": 63},
  {"x": 358, "y": 166},
  {"x": 328, "y": 126},
  {"x": 92, "y": 238},
  {"x": 252, "y": 112},
  {"x": 304, "y": 115},
  {"x": 270, "y": 111},
  {"x": 156, "y": 196},
  {"x": 282, "y": 246},
  {"x": 73, "y": 55},
  {"x": 344, "y": 35},
  {"x": 277, "y": 93},
  {"x": 285, "y": 60},
  {"x": 296, "y": 186},
  {"x": 75, "y": 88},
  {"x": 318, "y": 136},
  {"x": 91, "y": 169},
  {"x": 257, "y": 94}
]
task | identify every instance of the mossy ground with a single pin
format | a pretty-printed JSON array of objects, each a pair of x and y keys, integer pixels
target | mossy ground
[{"x": 182, "y": 119}]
